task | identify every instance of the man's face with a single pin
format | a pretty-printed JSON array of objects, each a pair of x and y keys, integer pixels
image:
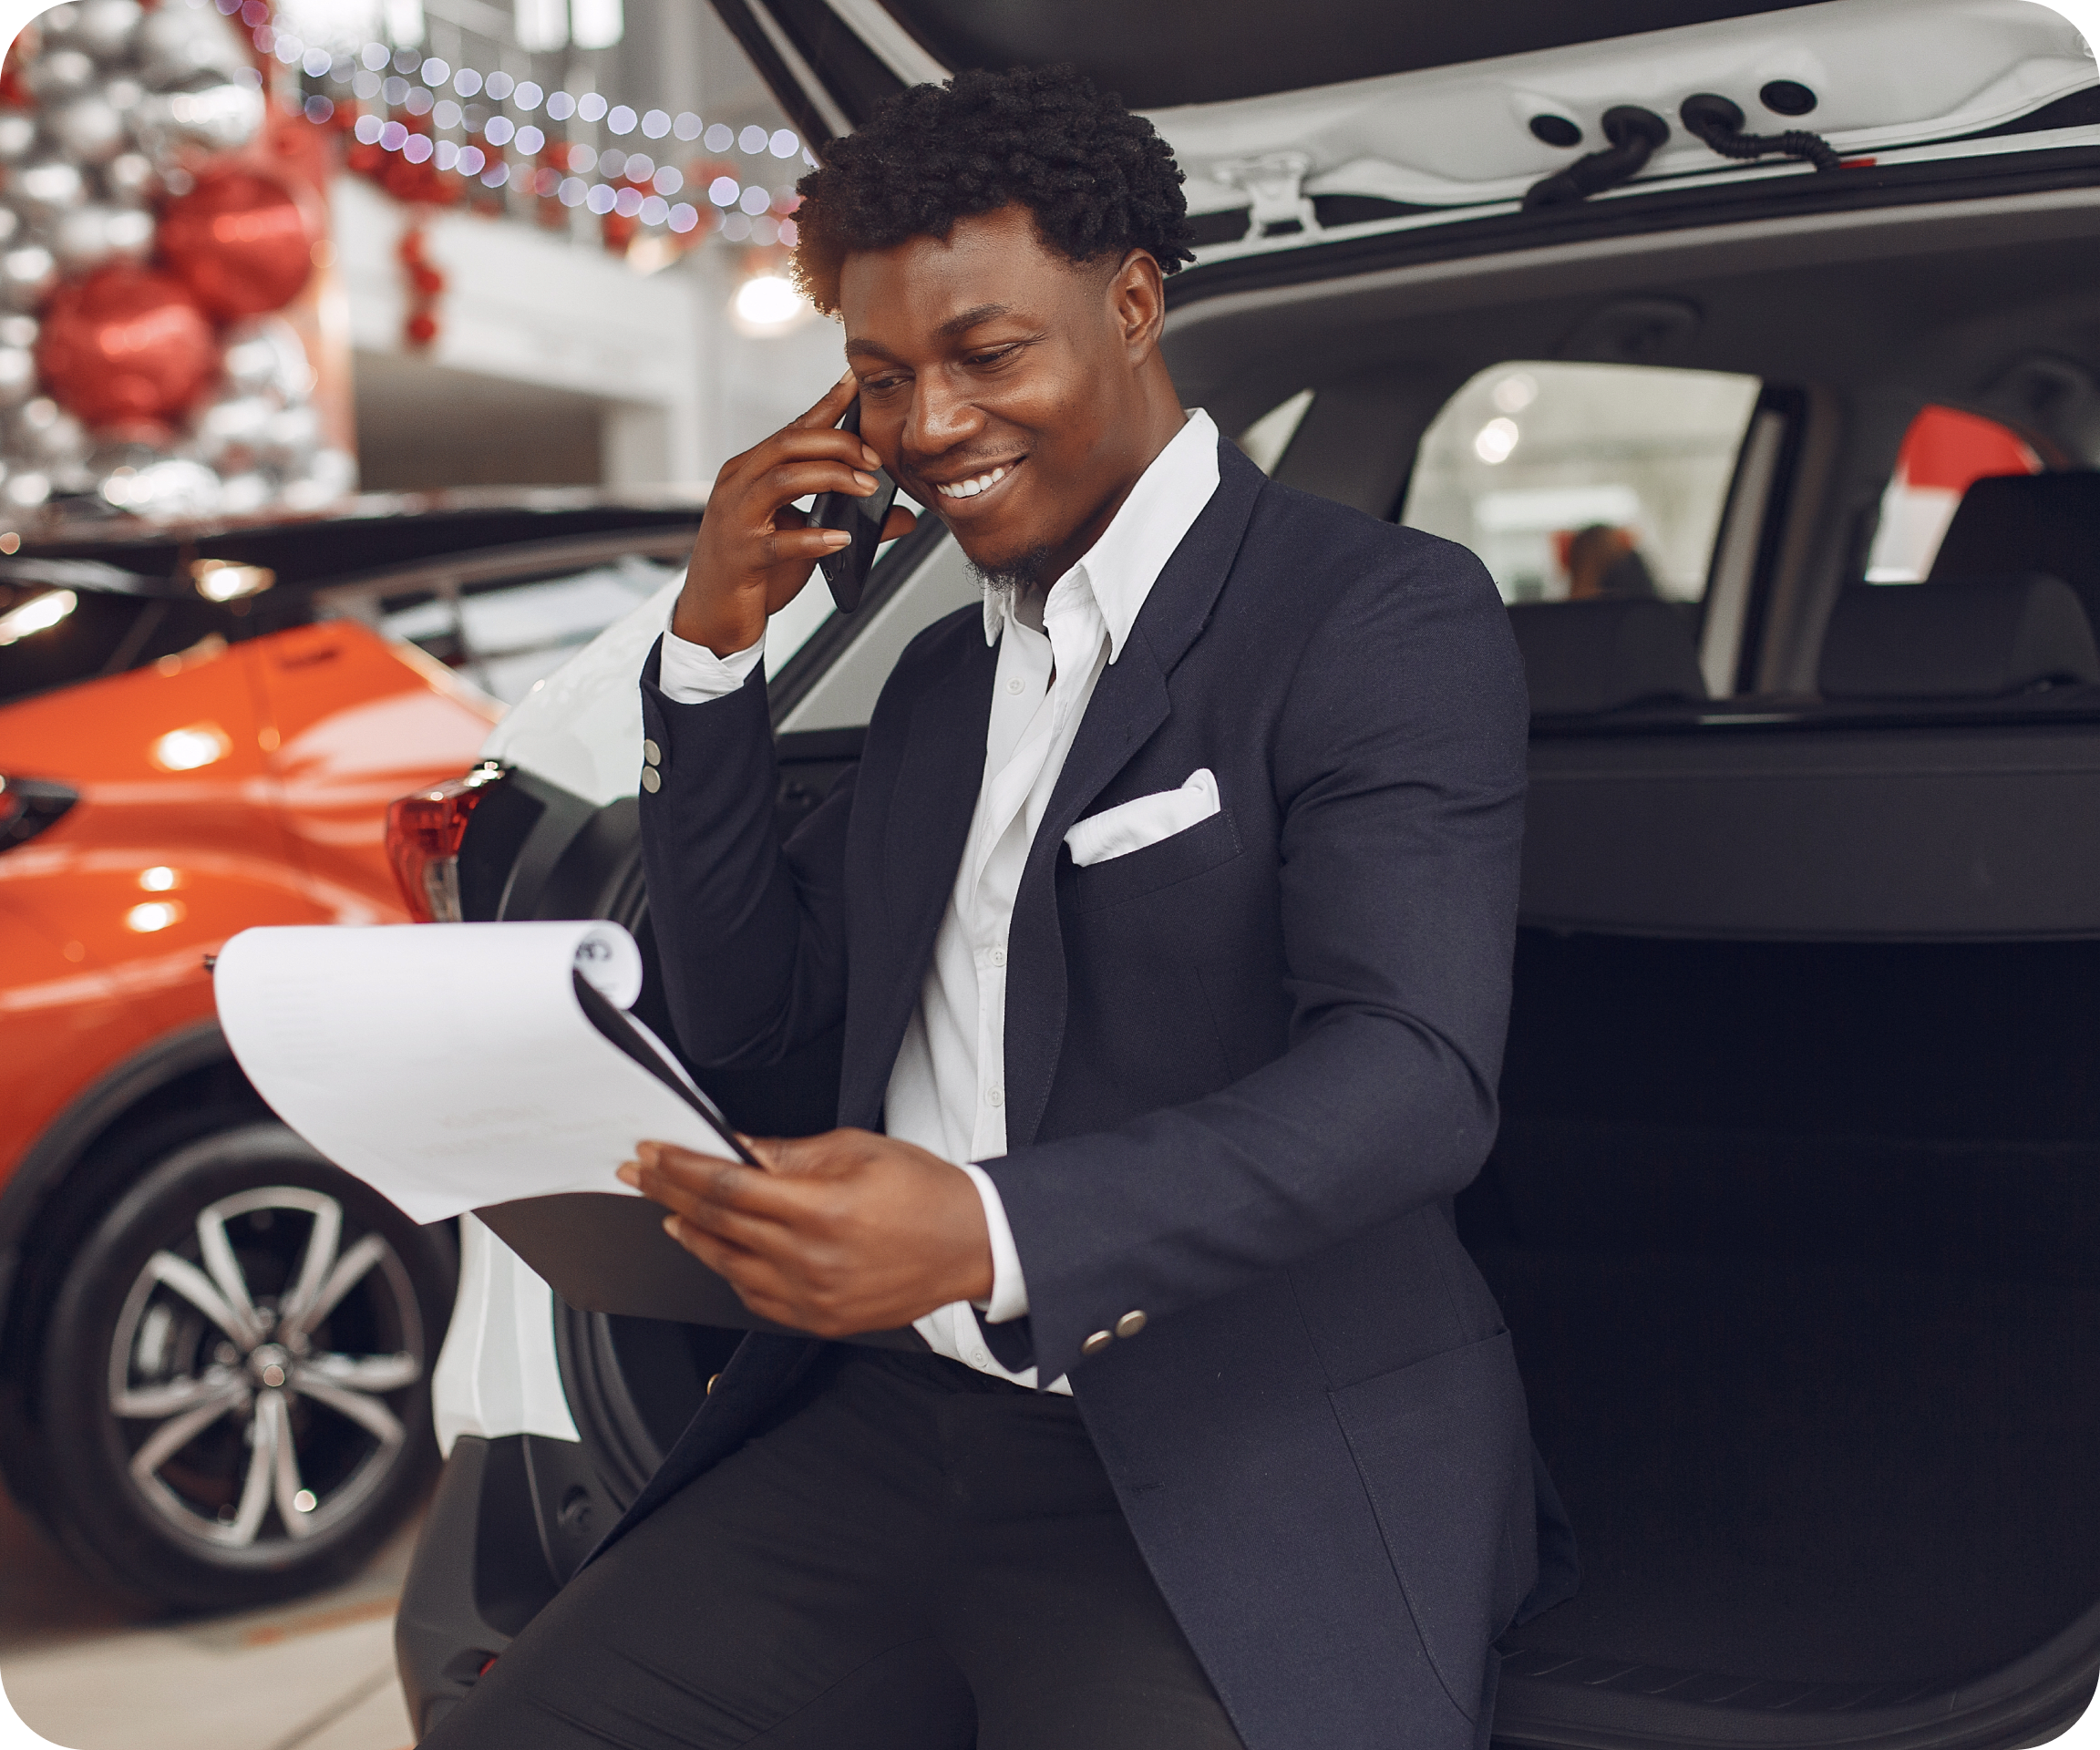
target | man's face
[{"x": 999, "y": 385}]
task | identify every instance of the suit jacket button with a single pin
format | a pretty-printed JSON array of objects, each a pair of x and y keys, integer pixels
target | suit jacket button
[
  {"x": 1129, "y": 1324},
  {"x": 650, "y": 780},
  {"x": 1095, "y": 1344},
  {"x": 711, "y": 1379},
  {"x": 652, "y": 752}
]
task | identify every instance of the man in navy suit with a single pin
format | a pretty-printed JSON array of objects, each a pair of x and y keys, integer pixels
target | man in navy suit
[{"x": 1168, "y": 919}]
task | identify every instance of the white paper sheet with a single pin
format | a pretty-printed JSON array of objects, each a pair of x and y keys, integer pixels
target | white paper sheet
[{"x": 449, "y": 1066}]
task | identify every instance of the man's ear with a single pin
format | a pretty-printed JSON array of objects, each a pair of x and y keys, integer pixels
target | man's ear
[{"x": 1138, "y": 301}]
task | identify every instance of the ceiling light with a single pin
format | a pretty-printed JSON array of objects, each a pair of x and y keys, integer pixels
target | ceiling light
[{"x": 766, "y": 304}]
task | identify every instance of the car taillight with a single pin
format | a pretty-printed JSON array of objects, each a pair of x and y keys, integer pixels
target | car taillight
[
  {"x": 423, "y": 835},
  {"x": 28, "y": 804}
]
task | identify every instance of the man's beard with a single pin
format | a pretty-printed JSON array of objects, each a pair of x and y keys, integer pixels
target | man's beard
[{"x": 1015, "y": 576}]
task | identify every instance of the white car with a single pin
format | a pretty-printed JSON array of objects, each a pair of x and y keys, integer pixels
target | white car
[{"x": 1757, "y": 356}]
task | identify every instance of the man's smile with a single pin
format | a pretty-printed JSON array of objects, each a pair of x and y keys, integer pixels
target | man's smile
[{"x": 965, "y": 491}]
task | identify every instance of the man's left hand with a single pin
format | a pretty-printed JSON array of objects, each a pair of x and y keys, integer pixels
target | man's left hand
[{"x": 840, "y": 1233}]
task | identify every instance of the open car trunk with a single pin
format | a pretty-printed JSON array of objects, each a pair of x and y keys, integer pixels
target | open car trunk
[{"x": 1794, "y": 1239}]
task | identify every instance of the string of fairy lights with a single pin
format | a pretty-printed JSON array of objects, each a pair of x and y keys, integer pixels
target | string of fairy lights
[{"x": 506, "y": 113}]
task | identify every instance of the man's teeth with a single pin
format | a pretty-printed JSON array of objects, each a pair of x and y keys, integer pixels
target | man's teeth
[{"x": 970, "y": 489}]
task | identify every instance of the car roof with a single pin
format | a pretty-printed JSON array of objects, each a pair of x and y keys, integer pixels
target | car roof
[{"x": 354, "y": 538}]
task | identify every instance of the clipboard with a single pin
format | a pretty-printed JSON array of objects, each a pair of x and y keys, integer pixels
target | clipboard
[{"x": 602, "y": 1252}]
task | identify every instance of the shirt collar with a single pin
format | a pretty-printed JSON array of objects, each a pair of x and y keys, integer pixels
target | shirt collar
[{"x": 1121, "y": 567}]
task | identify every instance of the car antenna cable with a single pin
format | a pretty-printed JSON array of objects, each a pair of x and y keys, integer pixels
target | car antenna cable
[
  {"x": 1718, "y": 122},
  {"x": 1634, "y": 134}
]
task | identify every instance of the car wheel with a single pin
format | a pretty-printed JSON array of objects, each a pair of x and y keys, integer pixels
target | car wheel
[{"x": 234, "y": 1382}]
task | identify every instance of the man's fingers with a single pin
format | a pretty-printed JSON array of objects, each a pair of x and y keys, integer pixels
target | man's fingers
[
  {"x": 831, "y": 407},
  {"x": 787, "y": 482},
  {"x": 679, "y": 1178}
]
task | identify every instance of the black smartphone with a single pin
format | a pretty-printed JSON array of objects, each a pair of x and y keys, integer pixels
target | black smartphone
[{"x": 847, "y": 570}]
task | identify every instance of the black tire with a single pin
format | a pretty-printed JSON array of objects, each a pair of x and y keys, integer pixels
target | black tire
[{"x": 322, "y": 1442}]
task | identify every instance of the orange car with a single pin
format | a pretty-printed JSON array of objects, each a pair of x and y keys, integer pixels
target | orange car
[{"x": 214, "y": 1347}]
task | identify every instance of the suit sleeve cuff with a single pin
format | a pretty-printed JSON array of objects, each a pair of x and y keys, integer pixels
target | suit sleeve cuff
[
  {"x": 690, "y": 673},
  {"x": 1009, "y": 1287}
]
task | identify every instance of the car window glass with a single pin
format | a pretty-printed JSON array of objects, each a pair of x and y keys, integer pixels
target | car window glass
[
  {"x": 1944, "y": 452},
  {"x": 1574, "y": 481},
  {"x": 1269, "y": 436},
  {"x": 507, "y": 637}
]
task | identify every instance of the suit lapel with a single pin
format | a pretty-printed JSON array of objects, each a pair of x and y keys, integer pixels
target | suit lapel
[
  {"x": 1129, "y": 705},
  {"x": 930, "y": 806}
]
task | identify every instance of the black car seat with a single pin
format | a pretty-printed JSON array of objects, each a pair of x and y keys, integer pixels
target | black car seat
[
  {"x": 1584, "y": 658},
  {"x": 2028, "y": 522},
  {"x": 1957, "y": 638}
]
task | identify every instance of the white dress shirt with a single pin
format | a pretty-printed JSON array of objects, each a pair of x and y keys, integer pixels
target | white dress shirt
[{"x": 947, "y": 1091}]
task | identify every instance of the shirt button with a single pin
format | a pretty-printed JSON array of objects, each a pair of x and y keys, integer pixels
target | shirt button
[
  {"x": 978, "y": 1358},
  {"x": 998, "y": 957},
  {"x": 995, "y": 1096},
  {"x": 1016, "y": 685}
]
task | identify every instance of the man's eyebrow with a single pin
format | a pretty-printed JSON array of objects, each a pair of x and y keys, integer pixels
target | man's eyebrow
[
  {"x": 949, "y": 330},
  {"x": 969, "y": 319}
]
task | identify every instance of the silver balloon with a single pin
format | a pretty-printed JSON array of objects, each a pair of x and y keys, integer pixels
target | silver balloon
[
  {"x": 17, "y": 135},
  {"x": 265, "y": 357},
  {"x": 19, "y": 331},
  {"x": 106, "y": 28},
  {"x": 25, "y": 488},
  {"x": 169, "y": 487},
  {"x": 231, "y": 429},
  {"x": 85, "y": 237},
  {"x": 220, "y": 116},
  {"x": 51, "y": 434},
  {"x": 176, "y": 43},
  {"x": 329, "y": 475},
  {"x": 290, "y": 435},
  {"x": 48, "y": 185},
  {"x": 26, "y": 275},
  {"x": 130, "y": 176},
  {"x": 17, "y": 376},
  {"x": 59, "y": 73},
  {"x": 240, "y": 493},
  {"x": 89, "y": 129},
  {"x": 58, "y": 25}
]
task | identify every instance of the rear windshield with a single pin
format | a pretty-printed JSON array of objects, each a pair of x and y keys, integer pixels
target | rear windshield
[
  {"x": 52, "y": 636},
  {"x": 1577, "y": 480}
]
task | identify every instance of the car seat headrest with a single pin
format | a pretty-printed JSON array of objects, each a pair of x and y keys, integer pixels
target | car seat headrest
[
  {"x": 1582, "y": 657},
  {"x": 2012, "y": 523},
  {"x": 1959, "y": 638}
]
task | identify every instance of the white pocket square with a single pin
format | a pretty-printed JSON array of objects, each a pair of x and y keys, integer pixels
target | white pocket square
[{"x": 1144, "y": 821}]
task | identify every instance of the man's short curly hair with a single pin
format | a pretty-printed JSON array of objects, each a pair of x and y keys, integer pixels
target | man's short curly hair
[{"x": 1099, "y": 181}]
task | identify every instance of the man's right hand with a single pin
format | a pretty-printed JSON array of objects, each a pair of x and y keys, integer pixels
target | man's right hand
[{"x": 756, "y": 551}]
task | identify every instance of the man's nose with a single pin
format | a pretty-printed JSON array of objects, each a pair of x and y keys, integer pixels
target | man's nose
[{"x": 939, "y": 420}]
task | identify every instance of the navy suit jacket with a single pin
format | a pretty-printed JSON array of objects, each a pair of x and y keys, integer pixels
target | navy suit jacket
[{"x": 1247, "y": 1068}]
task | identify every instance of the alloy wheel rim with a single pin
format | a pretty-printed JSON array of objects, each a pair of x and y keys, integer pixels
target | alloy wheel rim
[{"x": 247, "y": 1425}]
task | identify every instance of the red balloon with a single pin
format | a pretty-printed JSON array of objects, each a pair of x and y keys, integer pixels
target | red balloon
[
  {"x": 239, "y": 242},
  {"x": 125, "y": 343}
]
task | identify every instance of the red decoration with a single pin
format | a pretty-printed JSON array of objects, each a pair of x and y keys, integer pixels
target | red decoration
[
  {"x": 426, "y": 285},
  {"x": 125, "y": 343},
  {"x": 240, "y": 242}
]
